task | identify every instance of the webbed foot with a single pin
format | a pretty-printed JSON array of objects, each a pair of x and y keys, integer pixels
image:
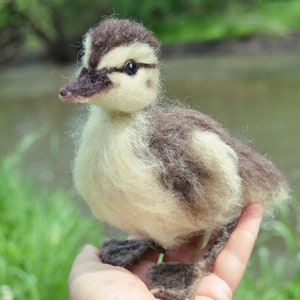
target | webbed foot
[
  {"x": 178, "y": 281},
  {"x": 174, "y": 281},
  {"x": 125, "y": 253}
]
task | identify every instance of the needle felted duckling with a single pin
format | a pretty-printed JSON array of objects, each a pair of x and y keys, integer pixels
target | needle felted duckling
[{"x": 165, "y": 173}]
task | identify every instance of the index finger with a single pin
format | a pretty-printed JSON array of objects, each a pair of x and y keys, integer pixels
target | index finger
[
  {"x": 89, "y": 253},
  {"x": 231, "y": 263}
]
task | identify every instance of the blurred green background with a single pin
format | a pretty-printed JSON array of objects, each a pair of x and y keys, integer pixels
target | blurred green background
[
  {"x": 235, "y": 60},
  {"x": 57, "y": 26}
]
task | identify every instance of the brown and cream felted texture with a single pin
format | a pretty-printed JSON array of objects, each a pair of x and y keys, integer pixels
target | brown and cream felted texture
[
  {"x": 165, "y": 173},
  {"x": 112, "y": 33}
]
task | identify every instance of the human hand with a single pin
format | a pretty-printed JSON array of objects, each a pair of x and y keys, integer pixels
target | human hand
[{"x": 91, "y": 279}]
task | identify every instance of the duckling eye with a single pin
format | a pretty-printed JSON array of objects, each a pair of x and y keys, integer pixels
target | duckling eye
[{"x": 130, "y": 67}]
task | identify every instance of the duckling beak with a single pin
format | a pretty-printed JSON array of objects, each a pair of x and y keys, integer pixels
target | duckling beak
[{"x": 88, "y": 84}]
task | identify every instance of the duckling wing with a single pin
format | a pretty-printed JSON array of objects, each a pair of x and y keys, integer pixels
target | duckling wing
[
  {"x": 199, "y": 167},
  {"x": 202, "y": 161}
]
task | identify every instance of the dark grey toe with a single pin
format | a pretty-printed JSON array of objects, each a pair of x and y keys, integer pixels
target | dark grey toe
[
  {"x": 125, "y": 253},
  {"x": 174, "y": 281}
]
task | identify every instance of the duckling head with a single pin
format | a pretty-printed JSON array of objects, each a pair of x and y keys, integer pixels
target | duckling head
[{"x": 120, "y": 67}]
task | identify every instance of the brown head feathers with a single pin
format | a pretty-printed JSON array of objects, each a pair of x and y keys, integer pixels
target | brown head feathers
[{"x": 125, "y": 32}]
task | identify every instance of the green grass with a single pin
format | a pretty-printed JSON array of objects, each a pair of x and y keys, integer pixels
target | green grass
[
  {"x": 41, "y": 233},
  {"x": 42, "y": 230}
]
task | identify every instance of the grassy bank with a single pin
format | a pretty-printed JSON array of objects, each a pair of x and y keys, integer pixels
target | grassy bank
[{"x": 42, "y": 231}]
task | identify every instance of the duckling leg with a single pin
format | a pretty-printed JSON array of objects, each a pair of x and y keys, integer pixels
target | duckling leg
[
  {"x": 125, "y": 253},
  {"x": 179, "y": 281}
]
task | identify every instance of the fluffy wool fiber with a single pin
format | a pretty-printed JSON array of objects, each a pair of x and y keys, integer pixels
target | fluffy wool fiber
[
  {"x": 164, "y": 173},
  {"x": 127, "y": 184}
]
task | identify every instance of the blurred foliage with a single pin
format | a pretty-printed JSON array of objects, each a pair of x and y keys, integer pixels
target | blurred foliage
[
  {"x": 60, "y": 23},
  {"x": 11, "y": 33},
  {"x": 41, "y": 232},
  {"x": 56, "y": 23}
]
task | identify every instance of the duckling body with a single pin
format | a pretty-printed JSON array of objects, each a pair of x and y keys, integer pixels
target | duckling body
[
  {"x": 128, "y": 182},
  {"x": 154, "y": 176},
  {"x": 164, "y": 173}
]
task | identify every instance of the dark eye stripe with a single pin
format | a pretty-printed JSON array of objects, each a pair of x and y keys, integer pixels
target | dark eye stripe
[{"x": 139, "y": 65}]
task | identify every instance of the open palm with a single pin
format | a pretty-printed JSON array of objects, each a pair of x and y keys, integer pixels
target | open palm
[{"x": 93, "y": 280}]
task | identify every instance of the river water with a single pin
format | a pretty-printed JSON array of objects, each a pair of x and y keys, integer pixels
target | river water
[{"x": 256, "y": 97}]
